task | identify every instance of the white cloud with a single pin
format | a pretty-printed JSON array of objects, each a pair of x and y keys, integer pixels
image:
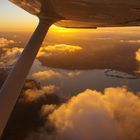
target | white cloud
[
  {"x": 50, "y": 74},
  {"x": 9, "y": 56},
  {"x": 112, "y": 115},
  {"x": 56, "y": 49},
  {"x": 5, "y": 42},
  {"x": 43, "y": 75},
  {"x": 91, "y": 115}
]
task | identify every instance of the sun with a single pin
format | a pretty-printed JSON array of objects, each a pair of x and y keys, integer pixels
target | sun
[{"x": 58, "y": 29}]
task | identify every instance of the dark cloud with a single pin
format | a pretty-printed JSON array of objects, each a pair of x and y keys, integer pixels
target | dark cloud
[
  {"x": 26, "y": 115},
  {"x": 120, "y": 58}
]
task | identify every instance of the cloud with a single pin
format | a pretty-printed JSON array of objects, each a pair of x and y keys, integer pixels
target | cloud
[
  {"x": 5, "y": 42},
  {"x": 134, "y": 41},
  {"x": 43, "y": 75},
  {"x": 138, "y": 55},
  {"x": 103, "y": 38},
  {"x": 130, "y": 41},
  {"x": 96, "y": 57},
  {"x": 50, "y": 74},
  {"x": 57, "y": 49},
  {"x": 92, "y": 115},
  {"x": 32, "y": 95},
  {"x": 72, "y": 74},
  {"x": 9, "y": 56},
  {"x": 46, "y": 109}
]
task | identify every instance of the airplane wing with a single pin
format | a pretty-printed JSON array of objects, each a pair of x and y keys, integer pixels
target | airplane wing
[{"x": 85, "y": 13}]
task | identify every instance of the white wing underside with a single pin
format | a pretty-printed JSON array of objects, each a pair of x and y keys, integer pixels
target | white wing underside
[{"x": 86, "y": 13}]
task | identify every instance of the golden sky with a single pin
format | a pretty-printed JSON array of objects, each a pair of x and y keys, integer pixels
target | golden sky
[{"x": 13, "y": 18}]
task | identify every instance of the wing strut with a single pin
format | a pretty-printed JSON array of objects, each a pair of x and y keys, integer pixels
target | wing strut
[{"x": 11, "y": 89}]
